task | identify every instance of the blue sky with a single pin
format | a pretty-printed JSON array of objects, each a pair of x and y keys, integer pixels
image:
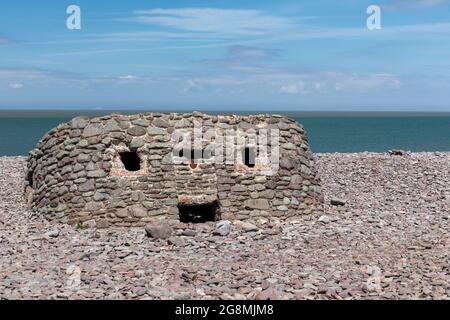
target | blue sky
[{"x": 240, "y": 55}]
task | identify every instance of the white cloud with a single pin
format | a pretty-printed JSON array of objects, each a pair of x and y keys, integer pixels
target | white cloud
[
  {"x": 127, "y": 77},
  {"x": 14, "y": 75},
  {"x": 246, "y": 52},
  {"x": 40, "y": 78},
  {"x": 295, "y": 83},
  {"x": 293, "y": 88},
  {"x": 267, "y": 80},
  {"x": 17, "y": 78},
  {"x": 343, "y": 82},
  {"x": 16, "y": 85}
]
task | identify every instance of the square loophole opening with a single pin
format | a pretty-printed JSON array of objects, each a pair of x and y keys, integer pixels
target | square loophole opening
[
  {"x": 130, "y": 161},
  {"x": 249, "y": 157},
  {"x": 199, "y": 213}
]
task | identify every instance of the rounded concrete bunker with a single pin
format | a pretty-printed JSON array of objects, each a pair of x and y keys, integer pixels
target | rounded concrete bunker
[{"x": 128, "y": 170}]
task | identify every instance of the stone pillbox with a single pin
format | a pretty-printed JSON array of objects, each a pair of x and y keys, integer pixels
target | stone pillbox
[{"x": 129, "y": 170}]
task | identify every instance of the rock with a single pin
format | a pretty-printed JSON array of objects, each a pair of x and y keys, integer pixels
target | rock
[
  {"x": 90, "y": 223},
  {"x": 136, "y": 143},
  {"x": 248, "y": 227},
  {"x": 102, "y": 224},
  {"x": 92, "y": 130},
  {"x": 158, "y": 122},
  {"x": 324, "y": 219},
  {"x": 188, "y": 233},
  {"x": 96, "y": 174},
  {"x": 305, "y": 170},
  {"x": 61, "y": 207},
  {"x": 89, "y": 185},
  {"x": 93, "y": 206},
  {"x": 52, "y": 233},
  {"x": 122, "y": 213},
  {"x": 285, "y": 163},
  {"x": 268, "y": 194},
  {"x": 136, "y": 131},
  {"x": 289, "y": 146},
  {"x": 98, "y": 196},
  {"x": 260, "y": 179},
  {"x": 397, "y": 152},
  {"x": 79, "y": 122},
  {"x": 268, "y": 294},
  {"x": 223, "y": 228},
  {"x": 154, "y": 131},
  {"x": 141, "y": 122},
  {"x": 158, "y": 231},
  {"x": 258, "y": 204},
  {"x": 223, "y": 126},
  {"x": 174, "y": 241},
  {"x": 302, "y": 294},
  {"x": 112, "y": 125},
  {"x": 83, "y": 158},
  {"x": 238, "y": 188},
  {"x": 338, "y": 202},
  {"x": 138, "y": 211}
]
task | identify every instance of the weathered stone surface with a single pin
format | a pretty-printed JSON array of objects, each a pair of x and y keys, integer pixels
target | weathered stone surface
[
  {"x": 287, "y": 164},
  {"x": 112, "y": 125},
  {"x": 136, "y": 143},
  {"x": 79, "y": 122},
  {"x": 89, "y": 185},
  {"x": 289, "y": 146},
  {"x": 138, "y": 211},
  {"x": 338, "y": 202},
  {"x": 158, "y": 122},
  {"x": 223, "y": 228},
  {"x": 259, "y": 204},
  {"x": 158, "y": 231},
  {"x": 96, "y": 174},
  {"x": 154, "y": 131},
  {"x": 268, "y": 294},
  {"x": 248, "y": 227},
  {"x": 92, "y": 130},
  {"x": 136, "y": 131},
  {"x": 121, "y": 170},
  {"x": 324, "y": 219}
]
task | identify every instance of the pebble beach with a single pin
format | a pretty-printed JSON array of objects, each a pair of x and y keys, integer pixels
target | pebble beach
[{"x": 384, "y": 233}]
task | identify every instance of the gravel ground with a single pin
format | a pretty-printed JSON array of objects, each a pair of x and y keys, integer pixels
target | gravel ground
[{"x": 391, "y": 240}]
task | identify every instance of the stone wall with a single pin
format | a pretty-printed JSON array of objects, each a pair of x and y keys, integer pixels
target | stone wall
[{"x": 77, "y": 172}]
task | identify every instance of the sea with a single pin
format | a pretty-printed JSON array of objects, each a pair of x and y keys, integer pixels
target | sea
[{"x": 328, "y": 132}]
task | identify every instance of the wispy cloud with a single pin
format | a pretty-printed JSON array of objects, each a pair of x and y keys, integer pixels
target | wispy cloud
[
  {"x": 244, "y": 58},
  {"x": 251, "y": 27},
  {"x": 16, "y": 85},
  {"x": 197, "y": 28},
  {"x": 270, "y": 81},
  {"x": 227, "y": 22},
  {"x": 40, "y": 78},
  {"x": 292, "y": 83},
  {"x": 246, "y": 52},
  {"x": 4, "y": 40},
  {"x": 293, "y": 88}
]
